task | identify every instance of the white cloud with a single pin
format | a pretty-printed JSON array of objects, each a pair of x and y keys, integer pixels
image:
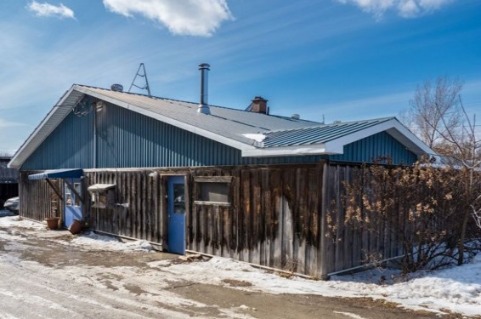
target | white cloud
[
  {"x": 408, "y": 8},
  {"x": 404, "y": 8},
  {"x": 187, "y": 17},
  {"x": 50, "y": 10},
  {"x": 6, "y": 124}
]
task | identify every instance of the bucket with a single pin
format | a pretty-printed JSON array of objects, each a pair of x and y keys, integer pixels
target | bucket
[
  {"x": 76, "y": 226},
  {"x": 52, "y": 222}
]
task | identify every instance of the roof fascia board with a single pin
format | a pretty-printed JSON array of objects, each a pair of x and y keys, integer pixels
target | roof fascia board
[
  {"x": 34, "y": 139},
  {"x": 412, "y": 140},
  {"x": 168, "y": 120}
]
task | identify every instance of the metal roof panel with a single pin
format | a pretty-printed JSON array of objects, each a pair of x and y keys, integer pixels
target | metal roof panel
[{"x": 229, "y": 126}]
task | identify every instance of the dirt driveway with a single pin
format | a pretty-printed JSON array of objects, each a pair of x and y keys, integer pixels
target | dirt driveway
[{"x": 43, "y": 275}]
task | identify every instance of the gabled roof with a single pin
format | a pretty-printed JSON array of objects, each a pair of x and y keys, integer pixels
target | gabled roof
[
  {"x": 255, "y": 134},
  {"x": 331, "y": 138}
]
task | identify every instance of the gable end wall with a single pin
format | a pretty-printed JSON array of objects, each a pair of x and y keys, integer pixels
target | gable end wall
[{"x": 378, "y": 148}]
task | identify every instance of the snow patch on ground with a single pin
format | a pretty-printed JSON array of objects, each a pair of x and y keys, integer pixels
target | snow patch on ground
[
  {"x": 103, "y": 242},
  {"x": 17, "y": 221},
  {"x": 457, "y": 289}
]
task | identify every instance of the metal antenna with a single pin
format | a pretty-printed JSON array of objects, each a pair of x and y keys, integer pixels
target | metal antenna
[{"x": 143, "y": 74}]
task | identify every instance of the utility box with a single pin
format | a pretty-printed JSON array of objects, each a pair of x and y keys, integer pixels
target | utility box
[{"x": 102, "y": 195}]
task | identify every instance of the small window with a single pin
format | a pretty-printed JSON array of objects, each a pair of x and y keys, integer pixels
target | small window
[{"x": 213, "y": 190}]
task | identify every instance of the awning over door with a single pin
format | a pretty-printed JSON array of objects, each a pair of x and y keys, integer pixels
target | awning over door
[{"x": 58, "y": 173}]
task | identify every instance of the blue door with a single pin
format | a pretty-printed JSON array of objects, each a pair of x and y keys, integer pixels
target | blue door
[
  {"x": 73, "y": 204},
  {"x": 176, "y": 215}
]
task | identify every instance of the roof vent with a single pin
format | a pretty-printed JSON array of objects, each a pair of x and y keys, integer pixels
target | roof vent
[
  {"x": 203, "y": 105},
  {"x": 295, "y": 116},
  {"x": 258, "y": 105},
  {"x": 117, "y": 87}
]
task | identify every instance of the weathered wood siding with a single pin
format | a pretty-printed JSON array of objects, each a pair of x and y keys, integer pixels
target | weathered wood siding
[
  {"x": 274, "y": 218},
  {"x": 279, "y": 215},
  {"x": 140, "y": 208},
  {"x": 346, "y": 247},
  {"x": 37, "y": 199}
]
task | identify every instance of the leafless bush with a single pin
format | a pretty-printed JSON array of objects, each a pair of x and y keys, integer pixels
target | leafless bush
[{"x": 422, "y": 206}]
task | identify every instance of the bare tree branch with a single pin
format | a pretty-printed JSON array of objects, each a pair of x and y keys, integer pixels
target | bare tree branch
[{"x": 441, "y": 120}]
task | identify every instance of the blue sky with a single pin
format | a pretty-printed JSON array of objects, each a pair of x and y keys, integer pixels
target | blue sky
[{"x": 333, "y": 59}]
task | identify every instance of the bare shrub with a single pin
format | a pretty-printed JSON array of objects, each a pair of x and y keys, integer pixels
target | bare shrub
[{"x": 421, "y": 206}]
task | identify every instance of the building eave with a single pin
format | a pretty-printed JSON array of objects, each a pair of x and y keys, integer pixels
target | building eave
[{"x": 56, "y": 115}]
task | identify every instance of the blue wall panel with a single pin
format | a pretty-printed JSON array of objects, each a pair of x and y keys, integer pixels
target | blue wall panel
[
  {"x": 128, "y": 139},
  {"x": 68, "y": 146},
  {"x": 380, "y": 147}
]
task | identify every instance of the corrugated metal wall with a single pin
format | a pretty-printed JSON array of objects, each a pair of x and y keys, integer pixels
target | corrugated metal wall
[
  {"x": 378, "y": 148},
  {"x": 69, "y": 146},
  {"x": 128, "y": 139}
]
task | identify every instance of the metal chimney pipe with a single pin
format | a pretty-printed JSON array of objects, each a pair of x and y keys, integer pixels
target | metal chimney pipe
[{"x": 203, "y": 106}]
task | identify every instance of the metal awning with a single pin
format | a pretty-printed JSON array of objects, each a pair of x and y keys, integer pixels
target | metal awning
[{"x": 58, "y": 173}]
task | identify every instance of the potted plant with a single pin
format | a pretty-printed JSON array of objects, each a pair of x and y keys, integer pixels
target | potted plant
[{"x": 52, "y": 222}]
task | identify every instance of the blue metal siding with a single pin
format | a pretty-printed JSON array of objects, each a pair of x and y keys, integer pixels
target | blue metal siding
[
  {"x": 376, "y": 148},
  {"x": 129, "y": 139},
  {"x": 68, "y": 146}
]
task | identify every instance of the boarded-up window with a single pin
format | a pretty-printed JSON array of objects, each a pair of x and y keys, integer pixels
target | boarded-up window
[{"x": 212, "y": 190}]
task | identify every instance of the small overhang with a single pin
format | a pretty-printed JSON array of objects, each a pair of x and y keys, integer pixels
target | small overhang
[
  {"x": 100, "y": 187},
  {"x": 57, "y": 173},
  {"x": 318, "y": 149}
]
